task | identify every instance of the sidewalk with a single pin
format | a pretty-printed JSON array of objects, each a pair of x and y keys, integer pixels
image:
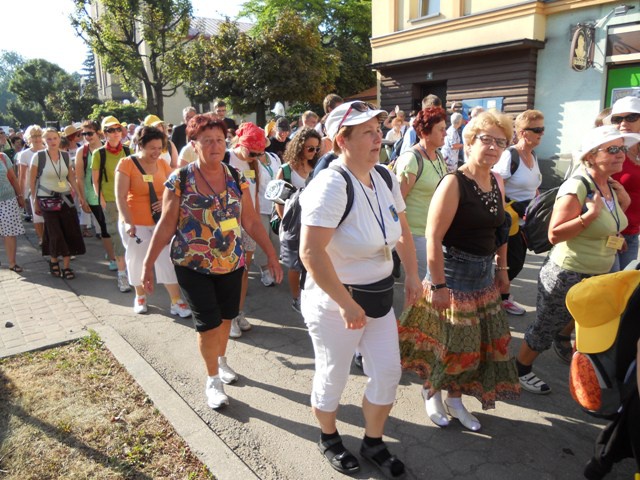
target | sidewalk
[{"x": 268, "y": 430}]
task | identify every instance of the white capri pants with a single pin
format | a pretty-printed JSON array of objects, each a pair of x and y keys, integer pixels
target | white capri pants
[
  {"x": 135, "y": 253},
  {"x": 334, "y": 346}
]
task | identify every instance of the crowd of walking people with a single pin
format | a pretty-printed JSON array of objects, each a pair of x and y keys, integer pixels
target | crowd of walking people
[{"x": 193, "y": 210}]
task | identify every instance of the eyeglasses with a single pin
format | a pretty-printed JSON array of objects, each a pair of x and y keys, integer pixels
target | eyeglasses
[
  {"x": 256, "y": 154},
  {"x": 358, "y": 107},
  {"x": 312, "y": 149},
  {"x": 113, "y": 130},
  {"x": 88, "y": 134},
  {"x": 489, "y": 140},
  {"x": 537, "y": 130},
  {"x": 632, "y": 117},
  {"x": 614, "y": 150}
]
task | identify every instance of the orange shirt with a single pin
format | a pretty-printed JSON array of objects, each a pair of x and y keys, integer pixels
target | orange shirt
[{"x": 138, "y": 197}]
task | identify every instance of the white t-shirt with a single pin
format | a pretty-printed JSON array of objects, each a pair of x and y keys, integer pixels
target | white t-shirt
[
  {"x": 524, "y": 182},
  {"x": 24, "y": 158},
  {"x": 187, "y": 154},
  {"x": 245, "y": 170},
  {"x": 267, "y": 173},
  {"x": 54, "y": 177},
  {"x": 357, "y": 246}
]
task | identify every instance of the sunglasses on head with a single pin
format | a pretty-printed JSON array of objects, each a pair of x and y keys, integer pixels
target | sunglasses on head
[
  {"x": 613, "y": 150},
  {"x": 632, "y": 117},
  {"x": 88, "y": 134},
  {"x": 537, "y": 130},
  {"x": 358, "y": 107},
  {"x": 312, "y": 149},
  {"x": 113, "y": 130},
  {"x": 256, "y": 154},
  {"x": 489, "y": 140}
]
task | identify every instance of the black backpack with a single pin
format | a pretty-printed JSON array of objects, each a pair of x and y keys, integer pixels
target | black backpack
[
  {"x": 537, "y": 218},
  {"x": 291, "y": 221}
]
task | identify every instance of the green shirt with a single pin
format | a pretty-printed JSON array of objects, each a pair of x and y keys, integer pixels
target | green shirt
[
  {"x": 420, "y": 196},
  {"x": 6, "y": 190},
  {"x": 108, "y": 183},
  {"x": 588, "y": 252}
]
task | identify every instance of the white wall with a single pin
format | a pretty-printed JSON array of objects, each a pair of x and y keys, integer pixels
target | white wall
[{"x": 571, "y": 100}]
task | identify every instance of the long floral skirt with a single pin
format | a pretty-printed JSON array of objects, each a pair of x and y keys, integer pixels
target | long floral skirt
[{"x": 464, "y": 349}]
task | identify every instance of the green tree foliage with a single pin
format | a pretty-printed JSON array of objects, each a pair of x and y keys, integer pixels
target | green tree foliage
[
  {"x": 129, "y": 113},
  {"x": 345, "y": 29},
  {"x": 43, "y": 88},
  {"x": 9, "y": 62},
  {"x": 285, "y": 63},
  {"x": 139, "y": 41},
  {"x": 89, "y": 82}
]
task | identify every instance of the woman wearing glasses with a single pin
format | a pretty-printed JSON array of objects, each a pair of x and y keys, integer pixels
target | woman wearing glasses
[
  {"x": 419, "y": 170},
  {"x": 586, "y": 224},
  {"x": 457, "y": 337},
  {"x": 518, "y": 167},
  {"x": 86, "y": 194},
  {"x": 299, "y": 158},
  {"x": 348, "y": 294},
  {"x": 250, "y": 142}
]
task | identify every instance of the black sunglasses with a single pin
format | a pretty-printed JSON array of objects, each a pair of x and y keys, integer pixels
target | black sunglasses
[
  {"x": 358, "y": 107},
  {"x": 256, "y": 154},
  {"x": 88, "y": 134},
  {"x": 113, "y": 130},
  {"x": 312, "y": 149},
  {"x": 632, "y": 117},
  {"x": 537, "y": 130},
  {"x": 614, "y": 149}
]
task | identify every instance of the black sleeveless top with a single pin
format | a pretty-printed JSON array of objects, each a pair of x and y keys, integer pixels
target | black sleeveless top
[{"x": 479, "y": 214}]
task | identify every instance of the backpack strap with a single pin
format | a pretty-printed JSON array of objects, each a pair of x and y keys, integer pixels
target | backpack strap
[
  {"x": 420, "y": 162},
  {"x": 182, "y": 175},
  {"x": 227, "y": 157},
  {"x": 349, "y": 186},
  {"x": 515, "y": 159},
  {"x": 386, "y": 175},
  {"x": 286, "y": 172}
]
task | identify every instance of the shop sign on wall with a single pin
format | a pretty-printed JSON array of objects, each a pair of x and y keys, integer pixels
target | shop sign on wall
[{"x": 582, "y": 48}]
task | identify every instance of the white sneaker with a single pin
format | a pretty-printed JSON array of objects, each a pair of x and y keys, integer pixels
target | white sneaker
[
  {"x": 435, "y": 408},
  {"x": 266, "y": 278},
  {"x": 216, "y": 397},
  {"x": 140, "y": 304},
  {"x": 235, "y": 331},
  {"x": 123, "y": 283},
  {"x": 225, "y": 372},
  {"x": 512, "y": 308},
  {"x": 243, "y": 323},
  {"x": 180, "y": 308},
  {"x": 295, "y": 304}
]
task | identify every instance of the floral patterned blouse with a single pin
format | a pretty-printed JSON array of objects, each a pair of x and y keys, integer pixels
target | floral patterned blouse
[{"x": 208, "y": 238}]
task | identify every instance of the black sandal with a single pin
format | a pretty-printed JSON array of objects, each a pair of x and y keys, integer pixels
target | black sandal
[
  {"x": 344, "y": 462},
  {"x": 54, "y": 269},
  {"x": 16, "y": 268},
  {"x": 68, "y": 274},
  {"x": 380, "y": 456}
]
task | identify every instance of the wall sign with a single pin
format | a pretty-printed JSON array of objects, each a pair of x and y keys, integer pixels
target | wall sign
[{"x": 582, "y": 48}]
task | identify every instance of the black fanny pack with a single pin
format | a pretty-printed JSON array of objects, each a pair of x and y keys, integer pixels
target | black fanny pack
[{"x": 375, "y": 298}]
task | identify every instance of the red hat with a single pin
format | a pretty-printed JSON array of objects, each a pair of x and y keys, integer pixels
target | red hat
[{"x": 252, "y": 137}]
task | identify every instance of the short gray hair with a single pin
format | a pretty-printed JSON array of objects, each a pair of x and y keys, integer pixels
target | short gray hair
[{"x": 455, "y": 118}]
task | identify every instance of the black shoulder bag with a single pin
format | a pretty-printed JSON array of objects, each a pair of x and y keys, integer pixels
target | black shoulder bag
[{"x": 152, "y": 193}]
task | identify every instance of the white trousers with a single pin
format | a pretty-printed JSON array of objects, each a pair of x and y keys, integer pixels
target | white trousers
[
  {"x": 135, "y": 253},
  {"x": 334, "y": 346}
]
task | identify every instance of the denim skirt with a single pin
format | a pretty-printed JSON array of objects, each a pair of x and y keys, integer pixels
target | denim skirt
[{"x": 466, "y": 272}]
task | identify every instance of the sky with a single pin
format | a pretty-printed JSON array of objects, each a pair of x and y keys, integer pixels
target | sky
[{"x": 45, "y": 32}]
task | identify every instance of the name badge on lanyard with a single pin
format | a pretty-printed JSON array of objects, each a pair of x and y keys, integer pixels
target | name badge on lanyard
[{"x": 229, "y": 224}]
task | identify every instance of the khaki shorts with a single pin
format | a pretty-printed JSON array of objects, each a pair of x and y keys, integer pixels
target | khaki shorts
[{"x": 111, "y": 216}]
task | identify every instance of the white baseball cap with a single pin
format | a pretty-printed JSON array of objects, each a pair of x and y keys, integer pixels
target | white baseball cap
[
  {"x": 349, "y": 114},
  {"x": 626, "y": 105},
  {"x": 606, "y": 134}
]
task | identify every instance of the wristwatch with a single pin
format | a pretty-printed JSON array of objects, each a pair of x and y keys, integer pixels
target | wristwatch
[{"x": 438, "y": 286}]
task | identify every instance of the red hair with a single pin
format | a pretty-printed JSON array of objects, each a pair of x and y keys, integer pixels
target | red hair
[
  {"x": 202, "y": 122},
  {"x": 427, "y": 118}
]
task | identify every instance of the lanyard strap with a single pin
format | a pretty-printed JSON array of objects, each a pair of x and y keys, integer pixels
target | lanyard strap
[
  {"x": 439, "y": 170},
  {"x": 215, "y": 195},
  {"x": 381, "y": 220},
  {"x": 613, "y": 211},
  {"x": 59, "y": 171}
]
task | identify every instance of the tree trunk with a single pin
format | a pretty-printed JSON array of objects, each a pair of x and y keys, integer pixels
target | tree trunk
[
  {"x": 261, "y": 118},
  {"x": 159, "y": 100}
]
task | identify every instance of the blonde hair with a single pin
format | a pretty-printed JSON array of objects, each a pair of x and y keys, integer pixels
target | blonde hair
[
  {"x": 35, "y": 130},
  {"x": 485, "y": 120}
]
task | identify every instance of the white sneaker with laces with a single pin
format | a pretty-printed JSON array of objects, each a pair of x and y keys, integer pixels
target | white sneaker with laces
[
  {"x": 243, "y": 323},
  {"x": 140, "y": 304},
  {"x": 123, "y": 283},
  {"x": 180, "y": 308},
  {"x": 225, "y": 372},
  {"x": 266, "y": 278},
  {"x": 512, "y": 307},
  {"x": 235, "y": 331},
  {"x": 216, "y": 397}
]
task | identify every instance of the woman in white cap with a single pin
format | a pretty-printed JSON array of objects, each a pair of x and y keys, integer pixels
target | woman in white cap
[
  {"x": 586, "y": 224},
  {"x": 348, "y": 294},
  {"x": 625, "y": 116}
]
